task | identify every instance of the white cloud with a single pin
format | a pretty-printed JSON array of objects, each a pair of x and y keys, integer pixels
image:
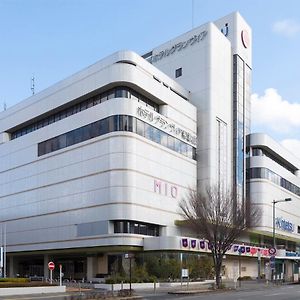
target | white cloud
[
  {"x": 271, "y": 111},
  {"x": 293, "y": 145},
  {"x": 288, "y": 28}
]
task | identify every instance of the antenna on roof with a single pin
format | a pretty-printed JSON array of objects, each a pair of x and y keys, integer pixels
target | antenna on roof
[
  {"x": 4, "y": 105},
  {"x": 193, "y": 3},
  {"x": 32, "y": 84}
]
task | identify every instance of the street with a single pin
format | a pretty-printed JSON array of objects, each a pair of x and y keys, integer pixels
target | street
[{"x": 251, "y": 291}]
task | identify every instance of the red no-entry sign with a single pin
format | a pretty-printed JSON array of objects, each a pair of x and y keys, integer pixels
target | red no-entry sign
[{"x": 51, "y": 266}]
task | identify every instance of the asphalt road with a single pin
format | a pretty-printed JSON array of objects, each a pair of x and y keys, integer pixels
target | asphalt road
[
  {"x": 285, "y": 292},
  {"x": 289, "y": 292}
]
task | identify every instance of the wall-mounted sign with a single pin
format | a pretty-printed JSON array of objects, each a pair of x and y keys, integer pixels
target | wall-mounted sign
[
  {"x": 165, "y": 189},
  {"x": 284, "y": 224},
  {"x": 245, "y": 38},
  {"x": 165, "y": 125},
  {"x": 178, "y": 47},
  {"x": 225, "y": 29}
]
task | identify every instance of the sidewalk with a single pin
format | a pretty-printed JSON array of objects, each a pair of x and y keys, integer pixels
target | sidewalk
[{"x": 229, "y": 285}]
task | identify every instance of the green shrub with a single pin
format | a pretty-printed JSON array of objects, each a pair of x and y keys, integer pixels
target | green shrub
[
  {"x": 243, "y": 278},
  {"x": 19, "y": 280},
  {"x": 110, "y": 281},
  {"x": 23, "y": 284}
]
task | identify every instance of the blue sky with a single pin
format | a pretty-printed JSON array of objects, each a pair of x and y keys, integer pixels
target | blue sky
[{"x": 54, "y": 38}]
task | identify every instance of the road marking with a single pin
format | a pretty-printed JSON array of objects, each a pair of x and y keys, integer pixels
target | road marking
[
  {"x": 35, "y": 296},
  {"x": 275, "y": 294}
]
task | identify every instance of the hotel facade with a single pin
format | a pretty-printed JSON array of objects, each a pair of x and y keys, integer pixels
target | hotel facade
[{"x": 95, "y": 166}]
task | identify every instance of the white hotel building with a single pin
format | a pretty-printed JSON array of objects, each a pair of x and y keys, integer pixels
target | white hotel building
[{"x": 95, "y": 165}]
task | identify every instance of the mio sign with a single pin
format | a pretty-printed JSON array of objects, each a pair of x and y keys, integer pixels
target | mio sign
[{"x": 165, "y": 189}]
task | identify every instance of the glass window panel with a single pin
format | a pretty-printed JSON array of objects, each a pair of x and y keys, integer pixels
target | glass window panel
[
  {"x": 70, "y": 138},
  {"x": 87, "y": 132},
  {"x": 104, "y": 126},
  {"x": 184, "y": 148},
  {"x": 41, "y": 148},
  {"x": 78, "y": 133},
  {"x": 194, "y": 153},
  {"x": 164, "y": 139},
  {"x": 39, "y": 125},
  {"x": 97, "y": 100},
  {"x": 128, "y": 123},
  {"x": 83, "y": 105},
  {"x": 156, "y": 135},
  {"x": 132, "y": 124},
  {"x": 125, "y": 123},
  {"x": 126, "y": 227},
  {"x": 62, "y": 141},
  {"x": 140, "y": 127},
  {"x": 121, "y": 92},
  {"x": 63, "y": 114},
  {"x": 111, "y": 124},
  {"x": 136, "y": 229},
  {"x": 95, "y": 128},
  {"x": 143, "y": 229},
  {"x": 55, "y": 144},
  {"x": 90, "y": 103},
  {"x": 148, "y": 132},
  {"x": 51, "y": 119},
  {"x": 134, "y": 96},
  {"x": 103, "y": 97},
  {"x": 171, "y": 142},
  {"x": 56, "y": 117},
  {"x": 48, "y": 146},
  {"x": 177, "y": 145},
  {"x": 111, "y": 94}
]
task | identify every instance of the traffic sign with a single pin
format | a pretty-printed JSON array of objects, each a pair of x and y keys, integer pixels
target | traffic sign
[
  {"x": 272, "y": 258},
  {"x": 272, "y": 251},
  {"x": 51, "y": 266}
]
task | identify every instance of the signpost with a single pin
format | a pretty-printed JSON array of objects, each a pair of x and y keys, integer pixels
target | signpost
[
  {"x": 51, "y": 267},
  {"x": 258, "y": 265},
  {"x": 61, "y": 275},
  {"x": 129, "y": 256},
  {"x": 272, "y": 252}
]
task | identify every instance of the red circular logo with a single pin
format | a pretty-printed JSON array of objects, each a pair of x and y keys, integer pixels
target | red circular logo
[
  {"x": 245, "y": 38},
  {"x": 51, "y": 265}
]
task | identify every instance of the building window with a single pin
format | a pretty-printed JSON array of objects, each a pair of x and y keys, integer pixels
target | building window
[
  {"x": 134, "y": 227},
  {"x": 298, "y": 229},
  {"x": 264, "y": 152},
  {"x": 178, "y": 72},
  {"x": 112, "y": 124},
  {"x": 118, "y": 92},
  {"x": 265, "y": 173}
]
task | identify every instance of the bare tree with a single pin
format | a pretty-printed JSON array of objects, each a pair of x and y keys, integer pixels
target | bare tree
[{"x": 216, "y": 216}]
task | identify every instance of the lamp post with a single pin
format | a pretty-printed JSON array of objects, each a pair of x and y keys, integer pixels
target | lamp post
[{"x": 274, "y": 238}]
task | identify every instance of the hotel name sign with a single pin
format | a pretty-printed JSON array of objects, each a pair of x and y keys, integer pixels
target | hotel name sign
[
  {"x": 284, "y": 224},
  {"x": 165, "y": 125},
  {"x": 178, "y": 47}
]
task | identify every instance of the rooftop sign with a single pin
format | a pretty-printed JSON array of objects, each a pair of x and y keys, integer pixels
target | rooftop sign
[{"x": 178, "y": 47}]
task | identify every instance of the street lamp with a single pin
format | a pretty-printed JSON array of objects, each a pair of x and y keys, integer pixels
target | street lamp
[
  {"x": 274, "y": 202},
  {"x": 274, "y": 239}
]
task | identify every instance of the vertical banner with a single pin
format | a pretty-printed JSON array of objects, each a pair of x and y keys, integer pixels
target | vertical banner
[{"x": 1, "y": 257}]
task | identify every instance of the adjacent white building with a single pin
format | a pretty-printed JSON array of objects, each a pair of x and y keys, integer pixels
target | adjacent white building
[{"x": 273, "y": 174}]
